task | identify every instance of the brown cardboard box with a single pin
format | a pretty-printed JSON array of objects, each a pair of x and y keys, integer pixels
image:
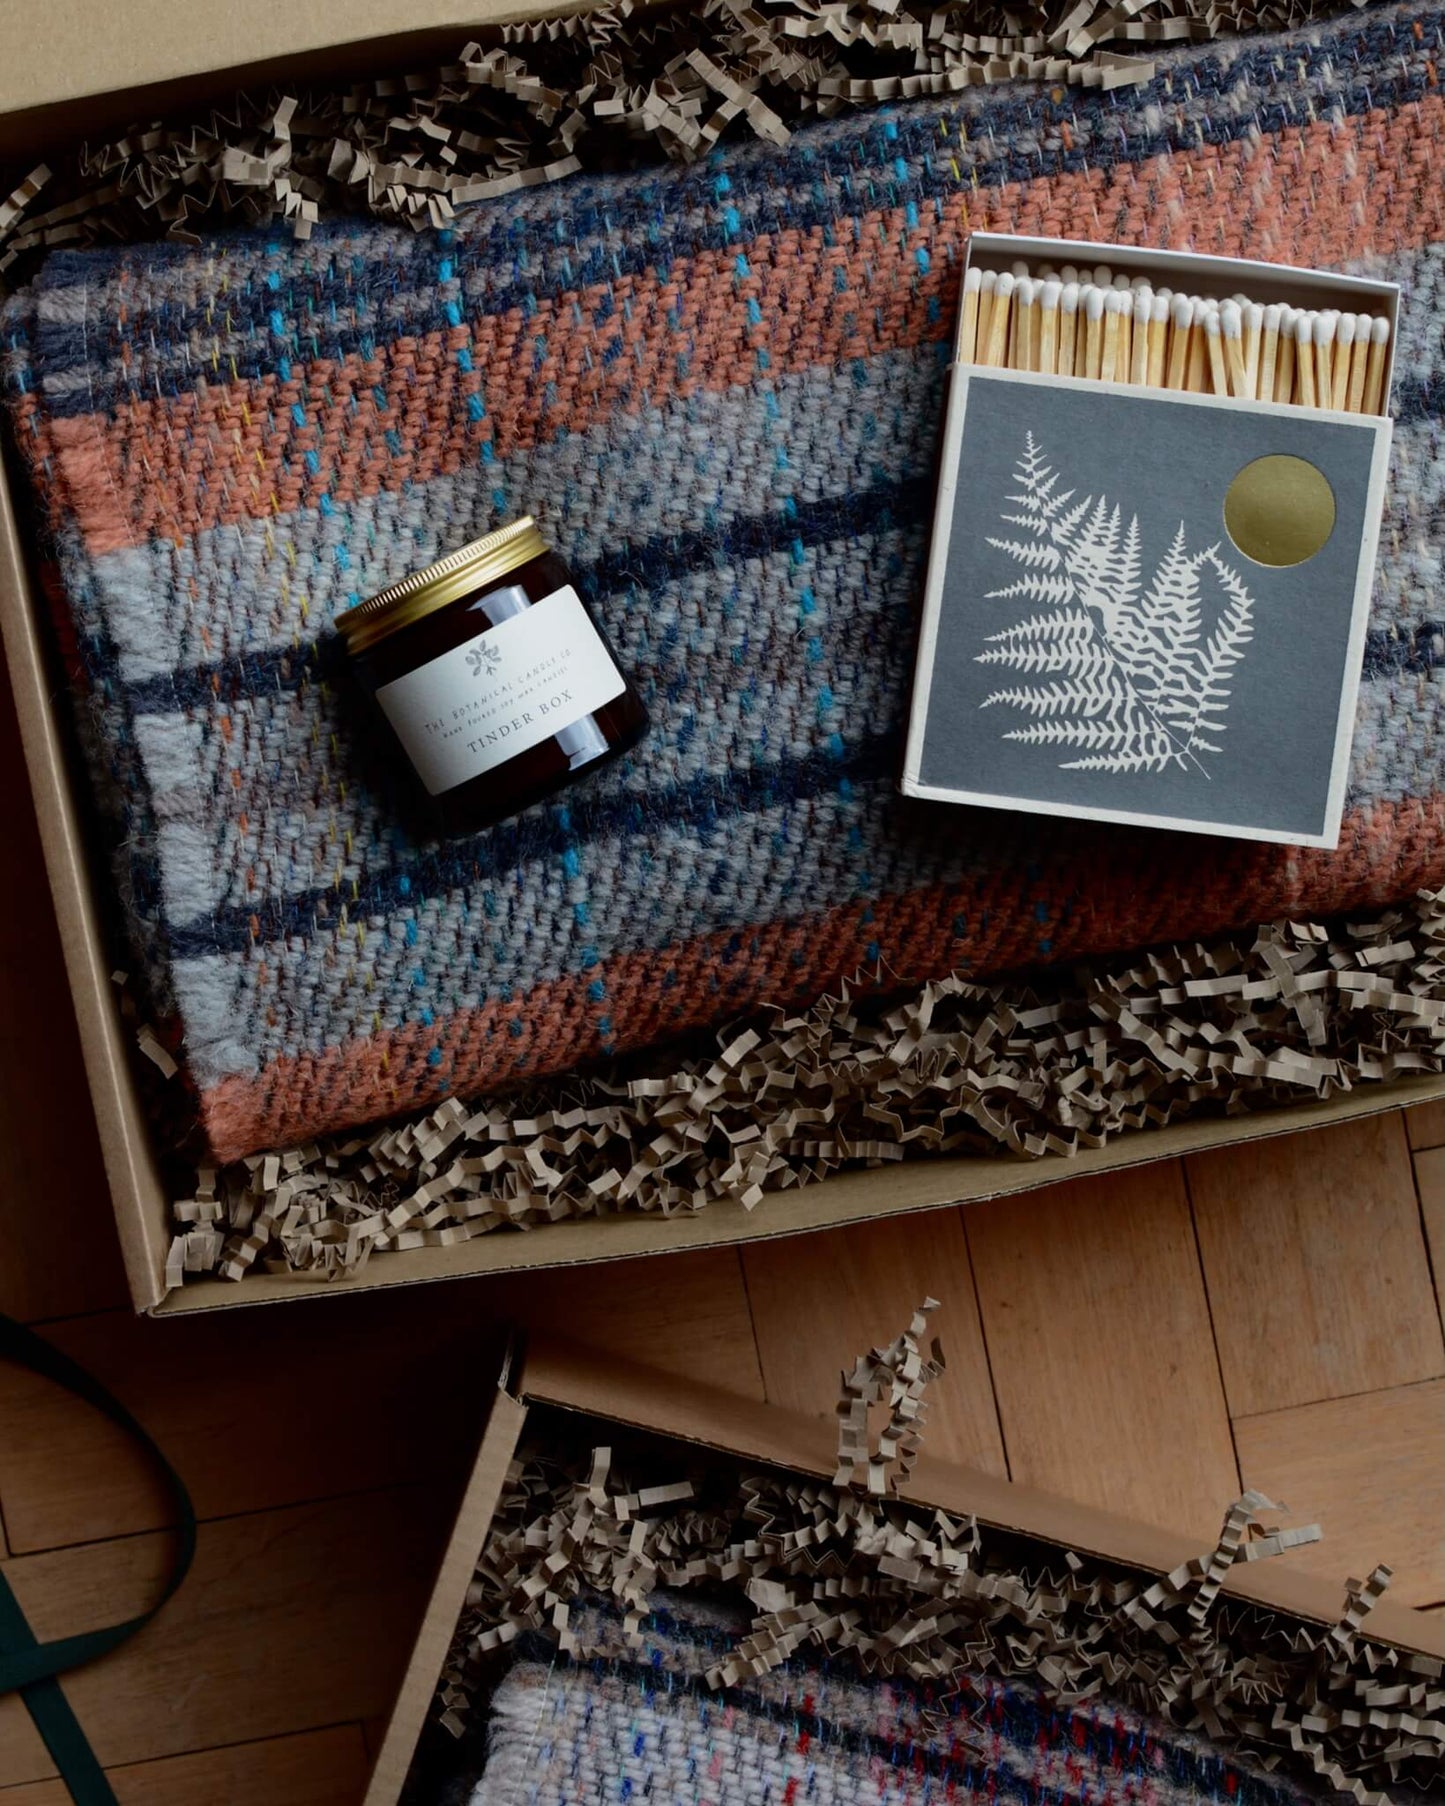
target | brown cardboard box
[
  {"x": 550, "y": 1373},
  {"x": 95, "y": 66}
]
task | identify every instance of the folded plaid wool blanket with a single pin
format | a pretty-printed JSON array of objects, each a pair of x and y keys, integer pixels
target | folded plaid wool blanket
[
  {"x": 719, "y": 390},
  {"x": 641, "y": 1723}
]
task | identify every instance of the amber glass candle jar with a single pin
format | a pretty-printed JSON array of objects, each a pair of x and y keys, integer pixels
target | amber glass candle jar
[{"x": 495, "y": 679}]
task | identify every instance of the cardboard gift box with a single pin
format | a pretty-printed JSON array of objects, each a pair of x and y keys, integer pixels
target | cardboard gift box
[
  {"x": 602, "y": 1398},
  {"x": 93, "y": 68}
]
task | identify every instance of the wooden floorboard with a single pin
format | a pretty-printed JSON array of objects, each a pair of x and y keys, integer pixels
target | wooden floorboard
[
  {"x": 817, "y": 1304},
  {"x": 1425, "y": 1125},
  {"x": 685, "y": 1312},
  {"x": 332, "y": 1396},
  {"x": 291, "y": 1620},
  {"x": 58, "y": 1252},
  {"x": 1104, "y": 1367},
  {"x": 1371, "y": 1470},
  {"x": 1315, "y": 1262},
  {"x": 1430, "y": 1183},
  {"x": 316, "y": 1768}
]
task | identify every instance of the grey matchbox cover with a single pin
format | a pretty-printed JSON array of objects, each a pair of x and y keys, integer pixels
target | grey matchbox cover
[{"x": 1102, "y": 646}]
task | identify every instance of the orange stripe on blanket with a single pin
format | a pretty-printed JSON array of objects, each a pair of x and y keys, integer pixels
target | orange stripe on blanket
[
  {"x": 1386, "y": 853},
  {"x": 223, "y": 453}
]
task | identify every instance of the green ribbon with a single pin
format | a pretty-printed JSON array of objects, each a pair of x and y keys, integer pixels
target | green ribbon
[{"x": 30, "y": 1667}]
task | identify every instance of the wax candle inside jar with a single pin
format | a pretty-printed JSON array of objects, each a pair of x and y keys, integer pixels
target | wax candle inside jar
[{"x": 493, "y": 676}]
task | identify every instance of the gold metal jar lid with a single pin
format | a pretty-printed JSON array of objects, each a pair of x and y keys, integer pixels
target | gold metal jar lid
[{"x": 432, "y": 587}]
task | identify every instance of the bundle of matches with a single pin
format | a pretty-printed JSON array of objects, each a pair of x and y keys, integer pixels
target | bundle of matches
[{"x": 1121, "y": 329}]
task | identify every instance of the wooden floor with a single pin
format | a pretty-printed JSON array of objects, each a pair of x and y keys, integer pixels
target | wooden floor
[{"x": 1264, "y": 1316}]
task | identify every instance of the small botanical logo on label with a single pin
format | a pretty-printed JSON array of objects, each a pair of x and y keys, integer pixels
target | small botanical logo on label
[
  {"x": 483, "y": 658},
  {"x": 1138, "y": 677}
]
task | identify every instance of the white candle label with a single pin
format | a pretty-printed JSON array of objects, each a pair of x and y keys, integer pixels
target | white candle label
[{"x": 510, "y": 688}]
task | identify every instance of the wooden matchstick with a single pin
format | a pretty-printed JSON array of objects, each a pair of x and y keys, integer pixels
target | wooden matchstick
[
  {"x": 1093, "y": 304},
  {"x": 1359, "y": 362},
  {"x": 1214, "y": 346},
  {"x": 1374, "y": 402},
  {"x": 1324, "y": 338},
  {"x": 1124, "y": 351},
  {"x": 1113, "y": 313},
  {"x": 1049, "y": 326},
  {"x": 1181, "y": 319},
  {"x": 1036, "y": 325},
  {"x": 997, "y": 345},
  {"x": 1253, "y": 335},
  {"x": 988, "y": 282},
  {"x": 1158, "y": 339},
  {"x": 1143, "y": 306},
  {"x": 1284, "y": 375},
  {"x": 1025, "y": 307},
  {"x": 1196, "y": 376},
  {"x": 1231, "y": 331},
  {"x": 1304, "y": 357},
  {"x": 1268, "y": 352},
  {"x": 1344, "y": 356},
  {"x": 968, "y": 324},
  {"x": 1069, "y": 328}
]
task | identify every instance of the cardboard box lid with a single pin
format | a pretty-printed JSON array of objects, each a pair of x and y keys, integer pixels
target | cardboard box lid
[
  {"x": 552, "y": 1372},
  {"x": 85, "y": 47}
]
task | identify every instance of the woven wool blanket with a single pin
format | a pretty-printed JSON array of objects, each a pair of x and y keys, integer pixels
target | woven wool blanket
[
  {"x": 641, "y": 1723},
  {"x": 719, "y": 390}
]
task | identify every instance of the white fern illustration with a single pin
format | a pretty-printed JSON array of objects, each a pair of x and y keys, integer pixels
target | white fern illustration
[{"x": 1130, "y": 679}]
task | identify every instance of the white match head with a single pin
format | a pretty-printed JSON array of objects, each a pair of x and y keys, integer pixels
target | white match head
[
  {"x": 1026, "y": 291},
  {"x": 1324, "y": 329},
  {"x": 973, "y": 281},
  {"x": 1069, "y": 274},
  {"x": 1304, "y": 325},
  {"x": 1167, "y": 293},
  {"x": 1103, "y": 275},
  {"x": 1363, "y": 323},
  {"x": 1049, "y": 296},
  {"x": 1181, "y": 311},
  {"x": 1345, "y": 330},
  {"x": 988, "y": 282},
  {"x": 1211, "y": 321},
  {"x": 1123, "y": 283},
  {"x": 1272, "y": 317},
  {"x": 1231, "y": 319},
  {"x": 1069, "y": 298},
  {"x": 1253, "y": 316},
  {"x": 1159, "y": 310},
  {"x": 1094, "y": 303},
  {"x": 1046, "y": 272},
  {"x": 1243, "y": 300},
  {"x": 1019, "y": 267},
  {"x": 1143, "y": 304},
  {"x": 1005, "y": 285},
  {"x": 1380, "y": 331},
  {"x": 1113, "y": 301}
]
